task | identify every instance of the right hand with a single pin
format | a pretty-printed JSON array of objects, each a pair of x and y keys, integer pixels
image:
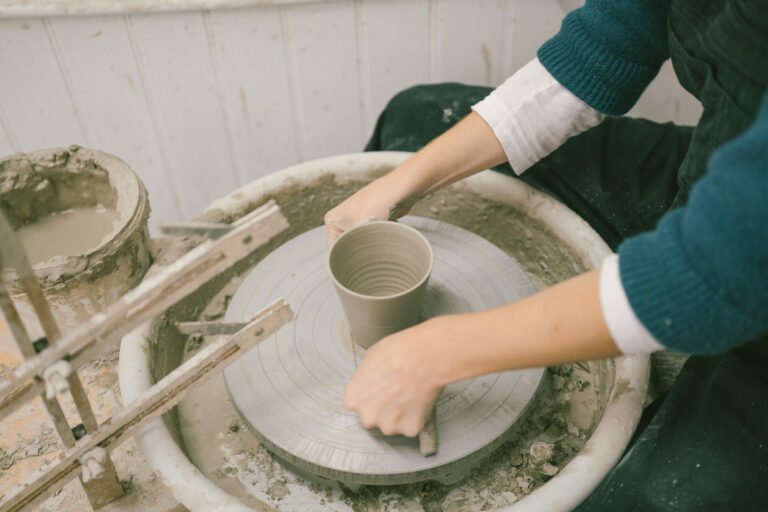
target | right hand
[
  {"x": 465, "y": 149},
  {"x": 396, "y": 385},
  {"x": 379, "y": 200}
]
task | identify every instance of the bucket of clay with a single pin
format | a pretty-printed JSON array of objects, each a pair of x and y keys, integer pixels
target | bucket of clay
[
  {"x": 212, "y": 462},
  {"x": 81, "y": 216}
]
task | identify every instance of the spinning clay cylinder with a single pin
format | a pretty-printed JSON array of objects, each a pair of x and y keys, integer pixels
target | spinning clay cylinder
[{"x": 380, "y": 271}]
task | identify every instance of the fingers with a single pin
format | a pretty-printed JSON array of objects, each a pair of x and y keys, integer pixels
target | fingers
[
  {"x": 367, "y": 204},
  {"x": 332, "y": 232},
  {"x": 411, "y": 428},
  {"x": 335, "y": 227},
  {"x": 393, "y": 411},
  {"x": 332, "y": 228},
  {"x": 391, "y": 421},
  {"x": 392, "y": 388}
]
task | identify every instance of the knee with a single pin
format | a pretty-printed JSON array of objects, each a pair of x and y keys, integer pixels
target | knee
[
  {"x": 452, "y": 96},
  {"x": 418, "y": 114},
  {"x": 422, "y": 93}
]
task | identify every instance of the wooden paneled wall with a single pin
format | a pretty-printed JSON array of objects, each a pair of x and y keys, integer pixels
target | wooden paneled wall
[{"x": 201, "y": 102}]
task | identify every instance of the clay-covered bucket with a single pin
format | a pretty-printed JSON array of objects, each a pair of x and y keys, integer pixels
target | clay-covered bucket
[
  {"x": 380, "y": 271},
  {"x": 36, "y": 184},
  {"x": 154, "y": 349}
]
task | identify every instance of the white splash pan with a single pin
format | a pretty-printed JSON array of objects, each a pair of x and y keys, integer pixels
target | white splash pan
[{"x": 562, "y": 493}]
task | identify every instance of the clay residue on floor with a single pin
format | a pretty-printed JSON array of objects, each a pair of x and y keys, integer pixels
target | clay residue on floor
[
  {"x": 28, "y": 442},
  {"x": 565, "y": 411}
]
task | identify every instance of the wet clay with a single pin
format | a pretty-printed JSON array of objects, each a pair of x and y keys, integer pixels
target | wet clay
[
  {"x": 563, "y": 414},
  {"x": 68, "y": 233},
  {"x": 288, "y": 389},
  {"x": 566, "y": 410},
  {"x": 380, "y": 271}
]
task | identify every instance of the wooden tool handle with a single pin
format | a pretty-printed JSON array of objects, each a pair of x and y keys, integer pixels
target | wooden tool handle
[{"x": 428, "y": 435}]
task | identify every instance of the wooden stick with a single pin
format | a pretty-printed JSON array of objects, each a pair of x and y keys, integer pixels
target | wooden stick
[
  {"x": 212, "y": 231},
  {"x": 82, "y": 401},
  {"x": 12, "y": 254},
  {"x": 209, "y": 328},
  {"x": 156, "y": 293},
  {"x": 161, "y": 397},
  {"x": 428, "y": 436},
  {"x": 15, "y": 324},
  {"x": 60, "y": 422},
  {"x": 19, "y": 333}
]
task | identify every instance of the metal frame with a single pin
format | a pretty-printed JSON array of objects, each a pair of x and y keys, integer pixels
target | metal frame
[{"x": 50, "y": 366}]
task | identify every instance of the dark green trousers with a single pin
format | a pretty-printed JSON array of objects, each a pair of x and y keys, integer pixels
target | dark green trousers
[{"x": 703, "y": 445}]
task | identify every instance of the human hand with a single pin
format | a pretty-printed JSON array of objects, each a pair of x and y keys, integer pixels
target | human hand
[
  {"x": 382, "y": 199},
  {"x": 397, "y": 383},
  {"x": 402, "y": 374}
]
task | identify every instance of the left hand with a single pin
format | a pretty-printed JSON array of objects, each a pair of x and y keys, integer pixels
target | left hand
[
  {"x": 401, "y": 376},
  {"x": 397, "y": 383}
]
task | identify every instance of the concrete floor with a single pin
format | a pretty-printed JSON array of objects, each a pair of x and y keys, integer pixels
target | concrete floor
[{"x": 28, "y": 442}]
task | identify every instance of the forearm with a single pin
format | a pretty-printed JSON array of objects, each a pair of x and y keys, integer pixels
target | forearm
[
  {"x": 561, "y": 324},
  {"x": 467, "y": 148},
  {"x": 522, "y": 121},
  {"x": 402, "y": 375}
]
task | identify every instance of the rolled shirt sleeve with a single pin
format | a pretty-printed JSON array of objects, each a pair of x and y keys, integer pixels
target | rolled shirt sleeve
[
  {"x": 629, "y": 334},
  {"x": 531, "y": 115}
]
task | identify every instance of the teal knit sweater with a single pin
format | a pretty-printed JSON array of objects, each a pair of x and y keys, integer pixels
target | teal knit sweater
[{"x": 699, "y": 281}]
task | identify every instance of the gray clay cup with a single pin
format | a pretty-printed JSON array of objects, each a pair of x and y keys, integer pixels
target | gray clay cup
[{"x": 380, "y": 270}]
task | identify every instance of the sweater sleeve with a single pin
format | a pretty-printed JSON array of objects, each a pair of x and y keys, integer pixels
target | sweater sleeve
[
  {"x": 608, "y": 51},
  {"x": 699, "y": 281}
]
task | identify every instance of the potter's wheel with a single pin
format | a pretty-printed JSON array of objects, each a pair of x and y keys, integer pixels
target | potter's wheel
[{"x": 289, "y": 389}]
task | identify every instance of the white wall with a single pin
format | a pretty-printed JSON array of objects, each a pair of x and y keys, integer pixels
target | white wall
[{"x": 201, "y": 102}]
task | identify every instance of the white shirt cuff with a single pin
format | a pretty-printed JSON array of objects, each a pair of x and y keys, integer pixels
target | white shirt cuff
[
  {"x": 532, "y": 114},
  {"x": 630, "y": 335}
]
